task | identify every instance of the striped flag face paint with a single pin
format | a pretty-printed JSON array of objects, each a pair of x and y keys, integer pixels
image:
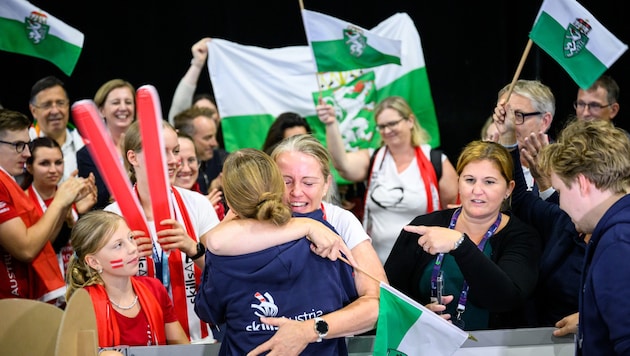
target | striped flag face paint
[{"x": 116, "y": 263}]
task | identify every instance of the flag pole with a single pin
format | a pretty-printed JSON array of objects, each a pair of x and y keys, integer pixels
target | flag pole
[
  {"x": 359, "y": 269},
  {"x": 528, "y": 47},
  {"x": 319, "y": 86},
  {"x": 470, "y": 336}
]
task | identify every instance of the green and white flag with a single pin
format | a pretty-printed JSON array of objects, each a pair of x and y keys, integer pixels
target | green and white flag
[
  {"x": 576, "y": 40},
  {"x": 341, "y": 46},
  {"x": 253, "y": 85},
  {"x": 28, "y": 30},
  {"x": 405, "y": 327}
]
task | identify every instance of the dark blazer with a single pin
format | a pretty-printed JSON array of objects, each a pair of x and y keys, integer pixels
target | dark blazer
[{"x": 86, "y": 166}]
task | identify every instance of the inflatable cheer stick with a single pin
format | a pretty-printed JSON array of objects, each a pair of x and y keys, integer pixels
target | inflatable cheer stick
[
  {"x": 105, "y": 155},
  {"x": 150, "y": 117}
]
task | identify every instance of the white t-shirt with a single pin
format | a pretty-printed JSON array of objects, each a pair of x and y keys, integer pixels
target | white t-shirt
[
  {"x": 202, "y": 215},
  {"x": 393, "y": 200},
  {"x": 346, "y": 224}
]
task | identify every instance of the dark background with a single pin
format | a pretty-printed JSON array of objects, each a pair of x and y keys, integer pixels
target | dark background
[{"x": 471, "y": 48}]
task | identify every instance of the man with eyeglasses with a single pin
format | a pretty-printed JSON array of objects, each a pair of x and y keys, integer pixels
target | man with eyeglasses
[
  {"x": 50, "y": 108},
  {"x": 533, "y": 105},
  {"x": 28, "y": 263},
  {"x": 599, "y": 102}
]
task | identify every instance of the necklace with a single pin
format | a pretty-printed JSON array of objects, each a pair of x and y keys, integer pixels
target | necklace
[{"x": 135, "y": 301}]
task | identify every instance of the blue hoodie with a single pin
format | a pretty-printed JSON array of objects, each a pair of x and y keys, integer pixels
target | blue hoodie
[
  {"x": 604, "y": 326},
  {"x": 282, "y": 281},
  {"x": 558, "y": 287}
]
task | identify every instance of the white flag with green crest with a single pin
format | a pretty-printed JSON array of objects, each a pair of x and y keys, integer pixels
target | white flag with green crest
[{"x": 253, "y": 85}]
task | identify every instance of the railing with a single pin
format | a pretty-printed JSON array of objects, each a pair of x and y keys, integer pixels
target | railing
[{"x": 511, "y": 342}]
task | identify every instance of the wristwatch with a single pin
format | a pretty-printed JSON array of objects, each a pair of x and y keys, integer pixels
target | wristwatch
[
  {"x": 321, "y": 328},
  {"x": 201, "y": 250}
]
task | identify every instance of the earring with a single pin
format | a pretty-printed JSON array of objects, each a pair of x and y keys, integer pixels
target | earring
[{"x": 100, "y": 270}]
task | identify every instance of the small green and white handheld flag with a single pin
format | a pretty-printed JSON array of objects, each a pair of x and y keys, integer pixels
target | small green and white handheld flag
[
  {"x": 28, "y": 30},
  {"x": 576, "y": 40},
  {"x": 405, "y": 327},
  {"x": 341, "y": 46}
]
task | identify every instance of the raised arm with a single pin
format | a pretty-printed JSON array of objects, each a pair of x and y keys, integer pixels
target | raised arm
[
  {"x": 183, "y": 96},
  {"x": 352, "y": 166}
]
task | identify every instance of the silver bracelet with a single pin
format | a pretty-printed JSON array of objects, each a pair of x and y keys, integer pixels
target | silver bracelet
[{"x": 459, "y": 242}]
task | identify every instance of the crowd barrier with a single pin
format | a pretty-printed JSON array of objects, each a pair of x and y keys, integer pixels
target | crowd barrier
[
  {"x": 512, "y": 342},
  {"x": 34, "y": 328}
]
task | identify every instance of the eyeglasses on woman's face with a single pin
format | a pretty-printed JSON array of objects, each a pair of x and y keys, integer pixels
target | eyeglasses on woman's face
[{"x": 389, "y": 125}]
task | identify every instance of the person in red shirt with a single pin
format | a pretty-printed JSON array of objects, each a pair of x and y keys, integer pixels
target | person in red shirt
[
  {"x": 28, "y": 266},
  {"x": 44, "y": 170},
  {"x": 105, "y": 263}
]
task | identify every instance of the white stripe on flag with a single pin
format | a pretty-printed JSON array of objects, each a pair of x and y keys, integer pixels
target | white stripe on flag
[
  {"x": 602, "y": 43},
  {"x": 322, "y": 27},
  {"x": 429, "y": 335},
  {"x": 19, "y": 10}
]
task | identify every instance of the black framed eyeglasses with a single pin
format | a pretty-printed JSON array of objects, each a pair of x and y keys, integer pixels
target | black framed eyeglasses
[
  {"x": 519, "y": 117},
  {"x": 19, "y": 145},
  {"x": 580, "y": 105},
  {"x": 389, "y": 125}
]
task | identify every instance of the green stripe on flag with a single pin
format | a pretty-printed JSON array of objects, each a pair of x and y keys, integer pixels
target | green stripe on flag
[
  {"x": 334, "y": 56},
  {"x": 414, "y": 87},
  {"x": 395, "y": 319},
  {"x": 247, "y": 131},
  {"x": 251, "y": 130},
  {"x": 61, "y": 53},
  {"x": 584, "y": 67}
]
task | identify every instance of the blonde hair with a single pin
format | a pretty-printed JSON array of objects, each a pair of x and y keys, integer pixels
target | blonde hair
[
  {"x": 107, "y": 87},
  {"x": 419, "y": 135},
  {"x": 595, "y": 149},
  {"x": 89, "y": 235},
  {"x": 253, "y": 186},
  {"x": 488, "y": 151},
  {"x": 309, "y": 146},
  {"x": 133, "y": 142}
]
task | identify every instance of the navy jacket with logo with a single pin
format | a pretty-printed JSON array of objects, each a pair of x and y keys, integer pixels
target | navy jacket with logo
[{"x": 283, "y": 281}]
